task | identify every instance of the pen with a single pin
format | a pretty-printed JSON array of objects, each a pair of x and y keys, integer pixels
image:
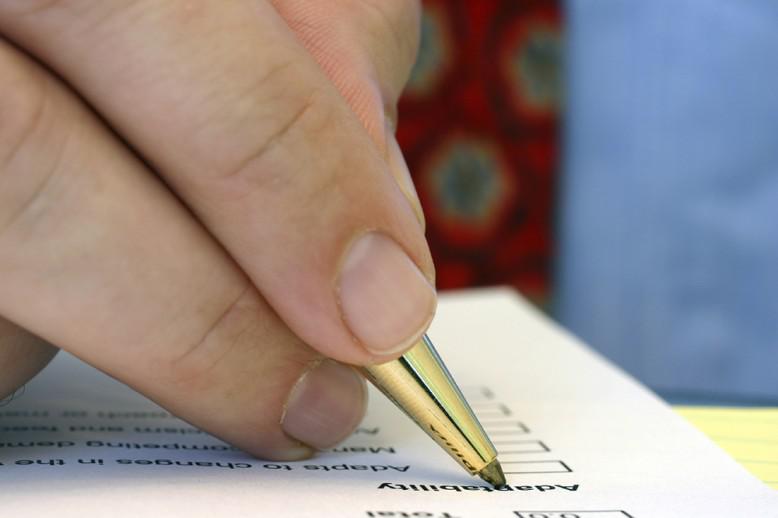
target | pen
[{"x": 421, "y": 386}]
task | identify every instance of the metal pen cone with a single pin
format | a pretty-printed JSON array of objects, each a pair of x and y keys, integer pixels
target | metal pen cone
[
  {"x": 493, "y": 474},
  {"x": 421, "y": 386}
]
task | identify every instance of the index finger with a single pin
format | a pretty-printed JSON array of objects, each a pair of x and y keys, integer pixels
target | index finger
[
  {"x": 99, "y": 258},
  {"x": 230, "y": 108}
]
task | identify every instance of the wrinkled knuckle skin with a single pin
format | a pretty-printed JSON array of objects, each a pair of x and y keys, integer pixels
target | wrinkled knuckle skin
[
  {"x": 266, "y": 166},
  {"x": 190, "y": 365},
  {"x": 281, "y": 131},
  {"x": 235, "y": 347}
]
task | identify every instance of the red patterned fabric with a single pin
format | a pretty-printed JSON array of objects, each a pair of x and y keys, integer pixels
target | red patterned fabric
[{"x": 478, "y": 126}]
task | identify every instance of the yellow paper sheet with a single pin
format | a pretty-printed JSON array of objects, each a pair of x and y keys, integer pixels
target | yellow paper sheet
[{"x": 750, "y": 435}]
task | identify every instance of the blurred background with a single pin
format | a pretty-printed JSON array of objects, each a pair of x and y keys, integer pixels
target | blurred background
[{"x": 617, "y": 163}]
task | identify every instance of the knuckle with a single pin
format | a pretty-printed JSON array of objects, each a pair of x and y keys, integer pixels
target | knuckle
[
  {"x": 193, "y": 362},
  {"x": 289, "y": 130},
  {"x": 235, "y": 346}
]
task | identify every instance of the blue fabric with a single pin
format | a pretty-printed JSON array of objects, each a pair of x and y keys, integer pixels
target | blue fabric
[{"x": 668, "y": 220}]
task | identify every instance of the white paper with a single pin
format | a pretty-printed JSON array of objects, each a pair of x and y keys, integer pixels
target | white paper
[{"x": 577, "y": 438}]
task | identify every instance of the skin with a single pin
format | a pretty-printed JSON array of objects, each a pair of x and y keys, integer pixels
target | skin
[{"x": 180, "y": 183}]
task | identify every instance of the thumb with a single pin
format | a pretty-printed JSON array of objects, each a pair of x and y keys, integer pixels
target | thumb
[{"x": 367, "y": 49}]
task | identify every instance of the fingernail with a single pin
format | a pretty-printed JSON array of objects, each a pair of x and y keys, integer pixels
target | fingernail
[
  {"x": 386, "y": 300},
  {"x": 325, "y": 405},
  {"x": 292, "y": 454},
  {"x": 402, "y": 175}
]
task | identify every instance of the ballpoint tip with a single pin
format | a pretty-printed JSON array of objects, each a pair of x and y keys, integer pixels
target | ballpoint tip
[{"x": 493, "y": 474}]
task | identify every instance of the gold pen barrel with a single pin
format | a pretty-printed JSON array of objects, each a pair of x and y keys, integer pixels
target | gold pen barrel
[{"x": 419, "y": 383}]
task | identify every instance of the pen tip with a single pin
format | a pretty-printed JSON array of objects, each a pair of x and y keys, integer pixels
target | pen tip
[{"x": 493, "y": 474}]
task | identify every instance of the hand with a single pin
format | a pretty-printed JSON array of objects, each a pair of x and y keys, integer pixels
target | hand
[{"x": 209, "y": 202}]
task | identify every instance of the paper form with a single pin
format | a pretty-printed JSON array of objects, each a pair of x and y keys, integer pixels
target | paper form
[
  {"x": 749, "y": 435},
  {"x": 577, "y": 439}
]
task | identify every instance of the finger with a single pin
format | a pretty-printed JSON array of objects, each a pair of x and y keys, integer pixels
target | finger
[
  {"x": 227, "y": 105},
  {"x": 98, "y": 257},
  {"x": 367, "y": 49},
  {"x": 22, "y": 356}
]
